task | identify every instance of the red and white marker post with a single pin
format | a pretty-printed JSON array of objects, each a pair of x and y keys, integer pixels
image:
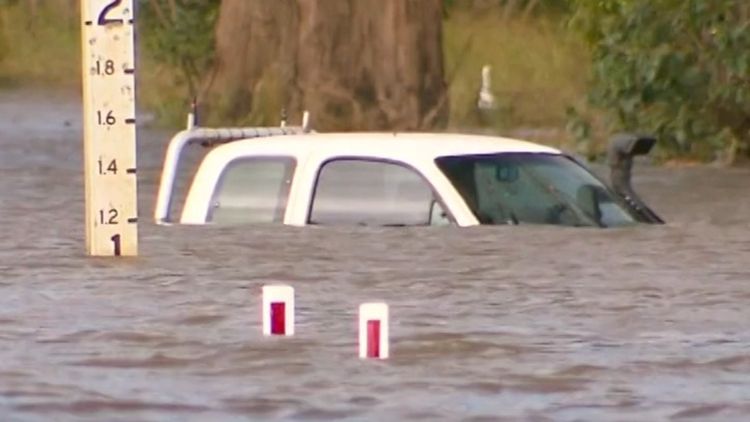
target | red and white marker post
[
  {"x": 278, "y": 310},
  {"x": 373, "y": 331}
]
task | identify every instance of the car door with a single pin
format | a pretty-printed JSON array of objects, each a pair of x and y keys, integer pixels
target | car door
[
  {"x": 369, "y": 191},
  {"x": 242, "y": 184},
  {"x": 252, "y": 190}
]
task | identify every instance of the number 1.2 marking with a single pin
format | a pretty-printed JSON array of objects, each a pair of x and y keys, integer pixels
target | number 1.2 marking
[{"x": 108, "y": 217}]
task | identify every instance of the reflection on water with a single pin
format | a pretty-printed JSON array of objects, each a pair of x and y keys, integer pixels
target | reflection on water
[{"x": 491, "y": 323}]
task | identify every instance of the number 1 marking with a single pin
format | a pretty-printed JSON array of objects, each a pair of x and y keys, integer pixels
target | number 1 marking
[{"x": 116, "y": 240}]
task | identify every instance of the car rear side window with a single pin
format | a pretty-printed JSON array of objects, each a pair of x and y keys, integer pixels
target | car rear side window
[
  {"x": 372, "y": 193},
  {"x": 252, "y": 190}
]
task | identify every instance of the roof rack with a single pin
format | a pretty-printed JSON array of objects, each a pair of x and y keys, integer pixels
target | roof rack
[{"x": 208, "y": 137}]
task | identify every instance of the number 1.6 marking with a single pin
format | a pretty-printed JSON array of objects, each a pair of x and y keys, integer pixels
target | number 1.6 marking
[{"x": 105, "y": 118}]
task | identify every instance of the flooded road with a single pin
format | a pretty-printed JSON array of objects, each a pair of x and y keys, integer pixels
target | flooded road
[{"x": 504, "y": 323}]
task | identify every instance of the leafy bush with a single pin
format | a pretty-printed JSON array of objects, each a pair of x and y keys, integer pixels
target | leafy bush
[
  {"x": 510, "y": 8},
  {"x": 39, "y": 43},
  {"x": 677, "y": 68},
  {"x": 180, "y": 33}
]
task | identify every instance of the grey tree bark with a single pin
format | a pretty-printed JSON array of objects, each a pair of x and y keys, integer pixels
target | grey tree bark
[{"x": 355, "y": 64}]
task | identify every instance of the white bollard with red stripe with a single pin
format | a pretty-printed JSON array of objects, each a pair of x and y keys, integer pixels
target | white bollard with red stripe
[
  {"x": 278, "y": 310},
  {"x": 373, "y": 331}
]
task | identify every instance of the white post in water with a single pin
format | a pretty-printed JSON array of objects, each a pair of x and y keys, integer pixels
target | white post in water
[
  {"x": 373, "y": 331},
  {"x": 109, "y": 144},
  {"x": 278, "y": 310}
]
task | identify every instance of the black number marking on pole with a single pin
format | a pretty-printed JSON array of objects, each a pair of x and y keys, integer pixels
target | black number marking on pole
[
  {"x": 108, "y": 217},
  {"x": 105, "y": 119},
  {"x": 103, "y": 19},
  {"x": 111, "y": 168},
  {"x": 116, "y": 241},
  {"x": 107, "y": 69}
]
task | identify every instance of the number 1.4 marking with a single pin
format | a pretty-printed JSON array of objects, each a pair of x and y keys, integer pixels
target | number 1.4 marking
[{"x": 110, "y": 168}]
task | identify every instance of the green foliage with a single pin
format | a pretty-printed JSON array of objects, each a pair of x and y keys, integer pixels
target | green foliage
[
  {"x": 39, "y": 43},
  {"x": 538, "y": 70},
  {"x": 180, "y": 34},
  {"x": 501, "y": 4},
  {"x": 677, "y": 68},
  {"x": 3, "y": 41}
]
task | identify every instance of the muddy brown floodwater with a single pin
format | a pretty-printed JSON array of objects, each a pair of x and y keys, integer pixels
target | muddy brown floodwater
[{"x": 489, "y": 323}]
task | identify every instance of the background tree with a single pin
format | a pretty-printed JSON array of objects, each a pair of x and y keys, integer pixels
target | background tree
[
  {"x": 355, "y": 64},
  {"x": 179, "y": 33},
  {"x": 679, "y": 68}
]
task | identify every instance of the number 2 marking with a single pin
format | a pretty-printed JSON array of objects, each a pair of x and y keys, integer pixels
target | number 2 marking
[{"x": 103, "y": 19}]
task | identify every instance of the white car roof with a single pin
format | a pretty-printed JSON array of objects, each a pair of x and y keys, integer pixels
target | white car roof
[
  {"x": 418, "y": 150},
  {"x": 395, "y": 145}
]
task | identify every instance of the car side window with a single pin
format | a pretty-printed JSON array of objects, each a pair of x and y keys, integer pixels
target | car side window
[
  {"x": 252, "y": 190},
  {"x": 373, "y": 193}
]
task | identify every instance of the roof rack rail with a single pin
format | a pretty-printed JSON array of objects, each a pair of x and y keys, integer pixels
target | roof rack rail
[{"x": 207, "y": 137}]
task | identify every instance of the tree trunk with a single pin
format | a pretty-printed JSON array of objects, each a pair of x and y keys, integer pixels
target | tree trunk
[{"x": 355, "y": 64}]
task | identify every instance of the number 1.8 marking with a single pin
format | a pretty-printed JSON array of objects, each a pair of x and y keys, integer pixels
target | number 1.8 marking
[{"x": 106, "y": 67}]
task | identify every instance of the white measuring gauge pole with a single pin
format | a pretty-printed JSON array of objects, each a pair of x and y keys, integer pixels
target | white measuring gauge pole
[
  {"x": 278, "y": 310},
  {"x": 108, "y": 51},
  {"x": 373, "y": 331}
]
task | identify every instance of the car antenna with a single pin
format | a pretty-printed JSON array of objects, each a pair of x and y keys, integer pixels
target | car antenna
[
  {"x": 192, "y": 120},
  {"x": 283, "y": 118},
  {"x": 306, "y": 121},
  {"x": 486, "y": 100}
]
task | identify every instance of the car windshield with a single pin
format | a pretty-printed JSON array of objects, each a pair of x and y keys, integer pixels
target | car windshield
[{"x": 517, "y": 188}]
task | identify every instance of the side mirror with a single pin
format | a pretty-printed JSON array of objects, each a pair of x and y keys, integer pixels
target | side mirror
[
  {"x": 622, "y": 149},
  {"x": 438, "y": 217}
]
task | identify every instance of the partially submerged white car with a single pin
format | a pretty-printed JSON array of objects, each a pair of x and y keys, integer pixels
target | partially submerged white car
[{"x": 293, "y": 176}]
